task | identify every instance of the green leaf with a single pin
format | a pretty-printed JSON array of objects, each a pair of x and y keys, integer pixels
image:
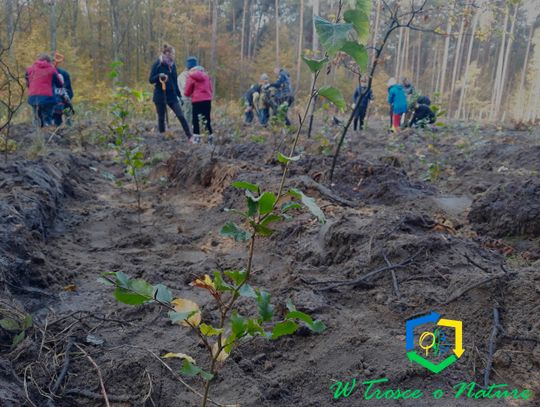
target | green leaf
[
  {"x": 236, "y": 212},
  {"x": 315, "y": 326},
  {"x": 237, "y": 276},
  {"x": 18, "y": 339},
  {"x": 252, "y": 205},
  {"x": 132, "y": 292},
  {"x": 266, "y": 310},
  {"x": 266, "y": 202},
  {"x": 358, "y": 53},
  {"x": 333, "y": 95},
  {"x": 284, "y": 159},
  {"x": 262, "y": 230},
  {"x": 238, "y": 324},
  {"x": 440, "y": 124},
  {"x": 254, "y": 328},
  {"x": 231, "y": 229},
  {"x": 332, "y": 36},
  {"x": 28, "y": 322},
  {"x": 208, "y": 330},
  {"x": 10, "y": 324},
  {"x": 364, "y": 6},
  {"x": 290, "y": 306},
  {"x": 290, "y": 205},
  {"x": 162, "y": 293},
  {"x": 309, "y": 203},
  {"x": 246, "y": 186},
  {"x": 180, "y": 316},
  {"x": 283, "y": 328},
  {"x": 271, "y": 218},
  {"x": 360, "y": 22},
  {"x": 247, "y": 291},
  {"x": 220, "y": 284},
  {"x": 122, "y": 278},
  {"x": 191, "y": 370},
  {"x": 315, "y": 65},
  {"x": 104, "y": 281}
]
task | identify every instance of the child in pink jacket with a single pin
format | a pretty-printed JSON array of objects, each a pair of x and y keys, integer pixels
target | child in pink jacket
[{"x": 199, "y": 88}]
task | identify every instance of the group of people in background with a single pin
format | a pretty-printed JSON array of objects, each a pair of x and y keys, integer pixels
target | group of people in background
[
  {"x": 50, "y": 95},
  {"x": 192, "y": 89},
  {"x": 49, "y": 90},
  {"x": 265, "y": 99}
]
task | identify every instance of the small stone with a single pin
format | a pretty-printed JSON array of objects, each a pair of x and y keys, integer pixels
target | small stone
[{"x": 268, "y": 366}]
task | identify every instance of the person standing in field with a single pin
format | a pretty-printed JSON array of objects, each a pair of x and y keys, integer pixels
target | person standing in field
[
  {"x": 398, "y": 103},
  {"x": 199, "y": 88},
  {"x": 182, "y": 80},
  {"x": 64, "y": 95},
  {"x": 252, "y": 98},
  {"x": 166, "y": 92},
  {"x": 358, "y": 123},
  {"x": 42, "y": 78}
]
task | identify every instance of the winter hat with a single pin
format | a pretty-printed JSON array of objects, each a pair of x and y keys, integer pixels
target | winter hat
[
  {"x": 191, "y": 62},
  {"x": 424, "y": 100},
  {"x": 264, "y": 77},
  {"x": 44, "y": 57},
  {"x": 391, "y": 82}
]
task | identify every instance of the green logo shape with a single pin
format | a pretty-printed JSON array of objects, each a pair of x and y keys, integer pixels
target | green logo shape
[{"x": 435, "y": 368}]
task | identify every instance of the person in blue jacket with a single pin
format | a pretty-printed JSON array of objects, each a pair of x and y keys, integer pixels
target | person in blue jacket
[
  {"x": 397, "y": 101},
  {"x": 358, "y": 122},
  {"x": 284, "y": 92},
  {"x": 164, "y": 77},
  {"x": 64, "y": 96}
]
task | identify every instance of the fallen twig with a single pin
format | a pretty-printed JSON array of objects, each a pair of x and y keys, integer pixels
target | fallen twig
[
  {"x": 491, "y": 345},
  {"x": 362, "y": 281},
  {"x": 394, "y": 278},
  {"x": 469, "y": 288},
  {"x": 63, "y": 372},
  {"x": 476, "y": 264},
  {"x": 103, "y": 391},
  {"x": 326, "y": 192}
]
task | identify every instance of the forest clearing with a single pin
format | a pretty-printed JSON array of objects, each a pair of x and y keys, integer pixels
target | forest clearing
[{"x": 269, "y": 203}]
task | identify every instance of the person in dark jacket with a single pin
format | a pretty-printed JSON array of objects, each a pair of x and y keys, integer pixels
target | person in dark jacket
[
  {"x": 252, "y": 98},
  {"x": 423, "y": 114},
  {"x": 164, "y": 77},
  {"x": 64, "y": 95},
  {"x": 397, "y": 101},
  {"x": 358, "y": 122},
  {"x": 41, "y": 79},
  {"x": 283, "y": 92}
]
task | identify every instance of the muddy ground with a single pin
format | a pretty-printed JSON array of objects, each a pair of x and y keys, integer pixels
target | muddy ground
[{"x": 464, "y": 201}]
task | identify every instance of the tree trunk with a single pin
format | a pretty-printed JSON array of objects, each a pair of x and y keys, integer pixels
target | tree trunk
[
  {"x": 316, "y": 11},
  {"x": 213, "y": 41},
  {"x": 53, "y": 26},
  {"x": 506, "y": 59},
  {"x": 398, "y": 55},
  {"x": 521, "y": 94},
  {"x": 243, "y": 35},
  {"x": 277, "y": 33},
  {"x": 499, "y": 69},
  {"x": 457, "y": 61},
  {"x": 467, "y": 64},
  {"x": 300, "y": 45},
  {"x": 418, "y": 56},
  {"x": 375, "y": 31},
  {"x": 445, "y": 55}
]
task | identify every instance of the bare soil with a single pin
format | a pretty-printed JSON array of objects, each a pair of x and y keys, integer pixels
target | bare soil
[{"x": 464, "y": 202}]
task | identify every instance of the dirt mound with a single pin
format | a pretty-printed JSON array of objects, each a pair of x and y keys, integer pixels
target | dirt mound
[
  {"x": 512, "y": 209},
  {"x": 31, "y": 195}
]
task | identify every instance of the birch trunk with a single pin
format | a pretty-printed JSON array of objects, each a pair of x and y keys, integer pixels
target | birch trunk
[{"x": 300, "y": 45}]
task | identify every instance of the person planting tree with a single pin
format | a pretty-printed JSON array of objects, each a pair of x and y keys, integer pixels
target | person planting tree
[
  {"x": 164, "y": 77},
  {"x": 397, "y": 101}
]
